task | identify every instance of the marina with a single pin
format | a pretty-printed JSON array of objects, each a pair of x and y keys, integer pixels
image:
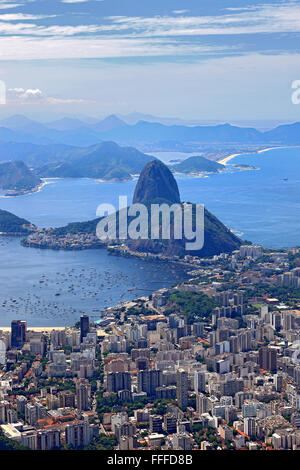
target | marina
[{"x": 47, "y": 287}]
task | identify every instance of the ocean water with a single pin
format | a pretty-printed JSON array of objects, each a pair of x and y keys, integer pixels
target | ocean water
[
  {"x": 262, "y": 205},
  {"x": 51, "y": 288}
]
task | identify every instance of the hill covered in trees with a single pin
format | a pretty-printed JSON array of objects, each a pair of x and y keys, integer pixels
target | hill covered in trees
[
  {"x": 11, "y": 224},
  {"x": 17, "y": 176},
  {"x": 197, "y": 164},
  {"x": 106, "y": 161}
]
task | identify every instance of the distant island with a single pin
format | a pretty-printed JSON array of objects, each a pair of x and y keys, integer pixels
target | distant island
[
  {"x": 196, "y": 165},
  {"x": 16, "y": 178},
  {"x": 245, "y": 167}
]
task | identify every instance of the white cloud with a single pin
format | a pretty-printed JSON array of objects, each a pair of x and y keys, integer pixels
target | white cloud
[
  {"x": 5, "y": 4},
  {"x": 257, "y": 19},
  {"x": 180, "y": 12},
  {"x": 30, "y": 29},
  {"x": 79, "y": 1},
  {"x": 22, "y": 17},
  {"x": 16, "y": 48},
  {"x": 35, "y": 96},
  {"x": 27, "y": 94},
  {"x": 240, "y": 87},
  {"x": 272, "y": 18},
  {"x": 139, "y": 36}
]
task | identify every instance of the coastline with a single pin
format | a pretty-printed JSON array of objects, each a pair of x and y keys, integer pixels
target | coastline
[
  {"x": 39, "y": 329},
  {"x": 16, "y": 193},
  {"x": 224, "y": 161}
]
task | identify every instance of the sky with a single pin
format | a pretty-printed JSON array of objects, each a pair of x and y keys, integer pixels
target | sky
[{"x": 223, "y": 60}]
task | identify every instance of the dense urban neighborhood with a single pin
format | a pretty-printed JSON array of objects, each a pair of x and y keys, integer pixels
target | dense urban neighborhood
[{"x": 211, "y": 363}]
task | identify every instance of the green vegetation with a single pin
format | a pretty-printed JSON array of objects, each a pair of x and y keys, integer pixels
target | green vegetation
[
  {"x": 106, "y": 161},
  {"x": 157, "y": 185},
  {"x": 140, "y": 310},
  {"x": 9, "y": 444},
  {"x": 10, "y": 223},
  {"x": 206, "y": 434},
  {"x": 161, "y": 406},
  {"x": 103, "y": 442},
  {"x": 294, "y": 260},
  {"x": 114, "y": 403},
  {"x": 193, "y": 305},
  {"x": 197, "y": 164},
  {"x": 17, "y": 176},
  {"x": 288, "y": 295}
]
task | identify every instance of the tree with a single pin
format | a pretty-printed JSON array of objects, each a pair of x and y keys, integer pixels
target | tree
[{"x": 10, "y": 444}]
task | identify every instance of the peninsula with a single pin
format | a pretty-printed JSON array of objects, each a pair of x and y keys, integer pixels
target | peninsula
[
  {"x": 10, "y": 224},
  {"x": 16, "y": 178}
]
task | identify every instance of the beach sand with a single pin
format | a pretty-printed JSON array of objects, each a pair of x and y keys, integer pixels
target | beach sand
[
  {"x": 38, "y": 329},
  {"x": 225, "y": 160}
]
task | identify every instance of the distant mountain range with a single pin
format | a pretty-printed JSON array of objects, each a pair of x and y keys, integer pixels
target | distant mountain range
[
  {"x": 35, "y": 155},
  {"x": 76, "y": 132},
  {"x": 107, "y": 161},
  {"x": 99, "y": 149}
]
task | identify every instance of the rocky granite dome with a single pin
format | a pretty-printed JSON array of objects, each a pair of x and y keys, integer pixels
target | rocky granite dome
[
  {"x": 156, "y": 182},
  {"x": 157, "y": 185}
]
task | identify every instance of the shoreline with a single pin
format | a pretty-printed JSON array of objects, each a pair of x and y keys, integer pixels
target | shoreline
[
  {"x": 225, "y": 160},
  {"x": 46, "y": 181},
  {"x": 26, "y": 192},
  {"x": 38, "y": 328}
]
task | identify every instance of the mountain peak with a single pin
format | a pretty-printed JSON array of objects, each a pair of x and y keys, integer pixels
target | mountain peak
[
  {"x": 109, "y": 123},
  {"x": 156, "y": 182},
  {"x": 17, "y": 121}
]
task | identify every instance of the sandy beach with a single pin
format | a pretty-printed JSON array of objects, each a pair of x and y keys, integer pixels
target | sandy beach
[
  {"x": 48, "y": 329},
  {"x": 38, "y": 329},
  {"x": 225, "y": 160}
]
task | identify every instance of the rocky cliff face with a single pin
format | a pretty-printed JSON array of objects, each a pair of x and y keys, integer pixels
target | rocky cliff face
[
  {"x": 157, "y": 185},
  {"x": 156, "y": 182}
]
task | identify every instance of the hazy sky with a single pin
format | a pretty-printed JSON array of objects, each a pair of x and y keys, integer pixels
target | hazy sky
[{"x": 205, "y": 59}]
